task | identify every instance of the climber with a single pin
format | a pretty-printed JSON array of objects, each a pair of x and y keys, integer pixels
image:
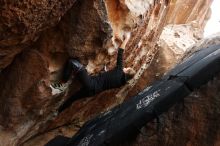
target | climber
[{"x": 92, "y": 85}]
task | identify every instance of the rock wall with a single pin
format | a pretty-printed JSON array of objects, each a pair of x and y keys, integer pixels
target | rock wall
[
  {"x": 193, "y": 121},
  {"x": 21, "y": 23},
  {"x": 37, "y": 37},
  {"x": 182, "y": 12}
]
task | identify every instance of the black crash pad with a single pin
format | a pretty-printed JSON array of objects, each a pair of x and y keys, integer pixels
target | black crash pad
[{"x": 127, "y": 118}]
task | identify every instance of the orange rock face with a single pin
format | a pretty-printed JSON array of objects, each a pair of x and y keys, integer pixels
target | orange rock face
[
  {"x": 181, "y": 12},
  {"x": 21, "y": 23},
  {"x": 37, "y": 37}
]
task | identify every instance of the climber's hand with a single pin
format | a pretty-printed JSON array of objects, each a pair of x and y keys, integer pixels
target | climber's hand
[
  {"x": 126, "y": 38},
  {"x": 118, "y": 41}
]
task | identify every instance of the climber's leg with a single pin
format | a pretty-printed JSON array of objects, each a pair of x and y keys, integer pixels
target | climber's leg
[
  {"x": 72, "y": 66},
  {"x": 85, "y": 79},
  {"x": 67, "y": 71}
]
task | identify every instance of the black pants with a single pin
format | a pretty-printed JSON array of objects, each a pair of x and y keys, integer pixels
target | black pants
[
  {"x": 85, "y": 79},
  {"x": 82, "y": 74},
  {"x": 86, "y": 82}
]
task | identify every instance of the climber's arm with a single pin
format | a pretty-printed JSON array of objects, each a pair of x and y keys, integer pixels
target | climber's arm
[
  {"x": 120, "y": 58},
  {"x": 122, "y": 46}
]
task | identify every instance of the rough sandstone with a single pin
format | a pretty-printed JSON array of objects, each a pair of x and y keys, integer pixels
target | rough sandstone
[{"x": 37, "y": 37}]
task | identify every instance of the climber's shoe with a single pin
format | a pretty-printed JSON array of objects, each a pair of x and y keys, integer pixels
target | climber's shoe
[
  {"x": 58, "y": 87},
  {"x": 76, "y": 65}
]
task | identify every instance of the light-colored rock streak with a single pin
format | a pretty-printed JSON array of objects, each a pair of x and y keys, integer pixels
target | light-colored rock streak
[
  {"x": 147, "y": 46},
  {"x": 138, "y": 7}
]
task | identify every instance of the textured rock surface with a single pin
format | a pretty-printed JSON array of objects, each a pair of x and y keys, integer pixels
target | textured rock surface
[
  {"x": 37, "y": 37},
  {"x": 22, "y": 21},
  {"x": 181, "y": 12},
  {"x": 178, "y": 38}
]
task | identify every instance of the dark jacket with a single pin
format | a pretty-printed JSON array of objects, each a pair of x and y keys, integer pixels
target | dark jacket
[{"x": 111, "y": 79}]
